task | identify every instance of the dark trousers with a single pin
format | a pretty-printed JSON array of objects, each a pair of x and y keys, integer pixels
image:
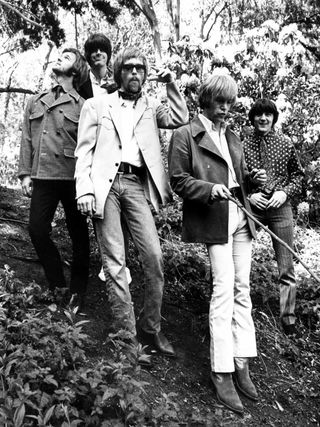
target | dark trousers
[
  {"x": 280, "y": 221},
  {"x": 45, "y": 198}
]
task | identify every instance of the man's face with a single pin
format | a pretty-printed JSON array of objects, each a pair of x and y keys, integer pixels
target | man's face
[
  {"x": 98, "y": 59},
  {"x": 64, "y": 64},
  {"x": 218, "y": 110},
  {"x": 133, "y": 75},
  {"x": 263, "y": 122}
]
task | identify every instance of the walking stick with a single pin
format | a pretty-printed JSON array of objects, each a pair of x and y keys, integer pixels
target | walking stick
[{"x": 232, "y": 199}]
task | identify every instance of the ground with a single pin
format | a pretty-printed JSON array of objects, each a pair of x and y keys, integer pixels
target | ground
[{"x": 285, "y": 370}]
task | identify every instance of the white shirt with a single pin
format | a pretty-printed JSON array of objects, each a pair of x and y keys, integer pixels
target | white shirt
[
  {"x": 130, "y": 149},
  {"x": 96, "y": 84},
  {"x": 219, "y": 139}
]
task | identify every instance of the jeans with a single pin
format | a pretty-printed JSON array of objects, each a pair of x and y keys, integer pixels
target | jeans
[
  {"x": 44, "y": 201},
  {"x": 127, "y": 200},
  {"x": 280, "y": 221},
  {"x": 232, "y": 332}
]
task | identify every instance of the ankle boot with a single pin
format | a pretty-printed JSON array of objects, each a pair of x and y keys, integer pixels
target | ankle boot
[
  {"x": 242, "y": 378},
  {"x": 225, "y": 391}
]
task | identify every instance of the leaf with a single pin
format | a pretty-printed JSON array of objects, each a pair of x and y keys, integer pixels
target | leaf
[
  {"x": 49, "y": 414},
  {"x": 279, "y": 406},
  {"x": 19, "y": 415},
  {"x": 52, "y": 307}
]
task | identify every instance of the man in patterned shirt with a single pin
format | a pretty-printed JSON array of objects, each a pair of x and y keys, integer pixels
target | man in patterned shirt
[{"x": 269, "y": 149}]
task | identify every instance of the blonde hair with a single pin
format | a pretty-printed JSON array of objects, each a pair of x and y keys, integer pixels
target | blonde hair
[{"x": 217, "y": 86}]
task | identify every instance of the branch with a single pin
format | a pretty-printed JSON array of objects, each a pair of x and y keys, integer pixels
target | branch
[
  {"x": 17, "y": 90},
  {"x": 314, "y": 50},
  {"x": 8, "y": 6}
]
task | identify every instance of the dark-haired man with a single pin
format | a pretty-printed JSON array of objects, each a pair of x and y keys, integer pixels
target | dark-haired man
[
  {"x": 271, "y": 150},
  {"x": 118, "y": 170},
  {"x": 97, "y": 50},
  {"x": 46, "y": 171}
]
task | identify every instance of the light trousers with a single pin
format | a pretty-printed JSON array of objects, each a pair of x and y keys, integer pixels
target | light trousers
[{"x": 232, "y": 332}]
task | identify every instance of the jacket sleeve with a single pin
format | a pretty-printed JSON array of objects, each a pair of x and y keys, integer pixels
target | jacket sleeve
[
  {"x": 181, "y": 174},
  {"x": 25, "y": 158},
  {"x": 87, "y": 138},
  {"x": 295, "y": 173},
  {"x": 177, "y": 114}
]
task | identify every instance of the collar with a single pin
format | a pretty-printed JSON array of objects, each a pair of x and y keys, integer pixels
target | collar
[
  {"x": 96, "y": 81},
  {"x": 210, "y": 126}
]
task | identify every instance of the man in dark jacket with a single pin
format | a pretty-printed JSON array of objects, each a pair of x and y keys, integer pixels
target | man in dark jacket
[
  {"x": 97, "y": 50},
  {"x": 46, "y": 171},
  {"x": 206, "y": 165}
]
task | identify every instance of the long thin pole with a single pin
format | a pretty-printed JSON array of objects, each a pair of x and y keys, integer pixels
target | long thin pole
[{"x": 274, "y": 236}]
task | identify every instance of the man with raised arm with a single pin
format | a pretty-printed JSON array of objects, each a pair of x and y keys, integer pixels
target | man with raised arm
[{"x": 119, "y": 169}]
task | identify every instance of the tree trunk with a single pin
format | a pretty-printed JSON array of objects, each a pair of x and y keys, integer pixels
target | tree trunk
[
  {"x": 146, "y": 6},
  {"x": 174, "y": 12}
]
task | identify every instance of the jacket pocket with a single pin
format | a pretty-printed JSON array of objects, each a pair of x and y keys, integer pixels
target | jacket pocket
[
  {"x": 107, "y": 123},
  {"x": 70, "y": 125}
]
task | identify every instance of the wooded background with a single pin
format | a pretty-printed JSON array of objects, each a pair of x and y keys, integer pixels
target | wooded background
[{"x": 270, "y": 47}]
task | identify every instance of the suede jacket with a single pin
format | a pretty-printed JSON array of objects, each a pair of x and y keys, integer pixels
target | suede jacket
[
  {"x": 195, "y": 165},
  {"x": 49, "y": 136}
]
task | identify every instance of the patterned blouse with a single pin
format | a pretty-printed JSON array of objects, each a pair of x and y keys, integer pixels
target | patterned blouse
[{"x": 276, "y": 154}]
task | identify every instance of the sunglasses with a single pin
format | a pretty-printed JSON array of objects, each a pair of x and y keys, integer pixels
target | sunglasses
[{"x": 140, "y": 68}]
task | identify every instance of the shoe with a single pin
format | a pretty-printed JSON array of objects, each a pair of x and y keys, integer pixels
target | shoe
[
  {"x": 158, "y": 341},
  {"x": 289, "y": 329},
  {"x": 225, "y": 391},
  {"x": 77, "y": 300},
  {"x": 242, "y": 378}
]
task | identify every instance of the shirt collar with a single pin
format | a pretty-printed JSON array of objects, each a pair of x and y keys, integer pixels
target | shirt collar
[
  {"x": 97, "y": 82},
  {"x": 210, "y": 126}
]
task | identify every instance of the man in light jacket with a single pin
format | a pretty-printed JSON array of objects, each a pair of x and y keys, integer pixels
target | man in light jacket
[{"x": 119, "y": 170}]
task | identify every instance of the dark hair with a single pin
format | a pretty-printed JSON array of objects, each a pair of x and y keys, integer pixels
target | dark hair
[
  {"x": 217, "y": 85},
  {"x": 97, "y": 41},
  {"x": 122, "y": 57},
  {"x": 261, "y": 106},
  {"x": 79, "y": 68}
]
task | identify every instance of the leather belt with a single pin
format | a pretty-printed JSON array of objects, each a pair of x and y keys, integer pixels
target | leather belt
[
  {"x": 126, "y": 168},
  {"x": 236, "y": 193}
]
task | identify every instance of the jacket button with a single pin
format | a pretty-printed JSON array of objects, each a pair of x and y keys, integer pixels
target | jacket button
[
  {"x": 60, "y": 111},
  {"x": 110, "y": 180},
  {"x": 45, "y": 131},
  {"x": 48, "y": 110},
  {"x": 120, "y": 146},
  {"x": 58, "y": 132},
  {"x": 117, "y": 164}
]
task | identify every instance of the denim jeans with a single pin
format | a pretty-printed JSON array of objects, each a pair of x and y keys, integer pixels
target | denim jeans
[
  {"x": 232, "y": 332},
  {"x": 127, "y": 200},
  {"x": 46, "y": 195},
  {"x": 280, "y": 221}
]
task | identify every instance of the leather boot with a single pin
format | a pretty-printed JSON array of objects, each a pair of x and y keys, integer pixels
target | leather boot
[
  {"x": 242, "y": 378},
  {"x": 225, "y": 391}
]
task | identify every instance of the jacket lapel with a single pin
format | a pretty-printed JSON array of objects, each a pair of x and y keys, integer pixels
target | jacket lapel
[
  {"x": 200, "y": 134},
  {"x": 115, "y": 113},
  {"x": 235, "y": 151},
  {"x": 140, "y": 109}
]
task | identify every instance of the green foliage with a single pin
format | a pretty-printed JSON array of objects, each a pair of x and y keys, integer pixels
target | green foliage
[{"x": 45, "y": 377}]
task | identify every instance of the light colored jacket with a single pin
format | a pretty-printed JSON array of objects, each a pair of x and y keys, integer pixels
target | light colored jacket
[
  {"x": 98, "y": 153},
  {"x": 49, "y": 136}
]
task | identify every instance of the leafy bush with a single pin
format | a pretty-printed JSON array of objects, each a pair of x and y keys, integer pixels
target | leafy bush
[{"x": 45, "y": 377}]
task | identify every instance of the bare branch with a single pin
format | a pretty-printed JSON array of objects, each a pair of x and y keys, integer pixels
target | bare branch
[
  {"x": 9, "y": 6},
  {"x": 15, "y": 89}
]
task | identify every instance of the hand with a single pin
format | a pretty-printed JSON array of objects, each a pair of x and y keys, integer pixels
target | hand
[
  {"x": 278, "y": 198},
  {"x": 220, "y": 191},
  {"x": 163, "y": 75},
  {"x": 258, "y": 176},
  {"x": 27, "y": 185},
  {"x": 87, "y": 204},
  {"x": 258, "y": 201}
]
